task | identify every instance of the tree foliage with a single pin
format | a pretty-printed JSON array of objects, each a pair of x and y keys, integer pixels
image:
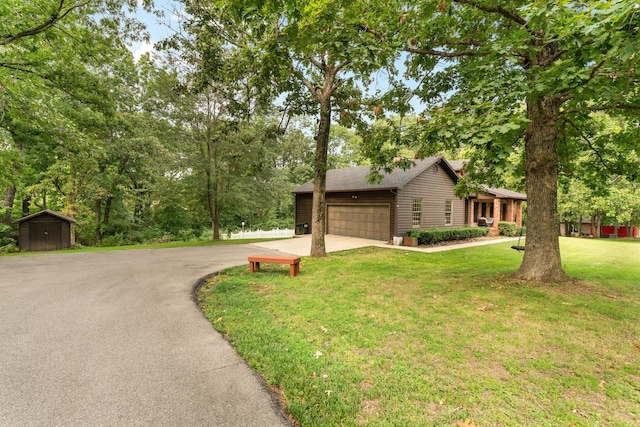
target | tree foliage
[{"x": 520, "y": 77}]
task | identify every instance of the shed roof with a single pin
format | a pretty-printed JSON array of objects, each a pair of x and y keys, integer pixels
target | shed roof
[
  {"x": 47, "y": 211},
  {"x": 355, "y": 178}
]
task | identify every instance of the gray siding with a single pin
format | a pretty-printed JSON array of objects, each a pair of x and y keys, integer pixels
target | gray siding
[{"x": 434, "y": 186}]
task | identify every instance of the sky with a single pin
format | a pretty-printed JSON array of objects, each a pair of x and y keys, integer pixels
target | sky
[
  {"x": 158, "y": 28},
  {"x": 163, "y": 27}
]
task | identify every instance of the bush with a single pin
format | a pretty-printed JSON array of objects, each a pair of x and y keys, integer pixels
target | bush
[
  {"x": 9, "y": 248},
  {"x": 431, "y": 236},
  {"x": 508, "y": 229}
]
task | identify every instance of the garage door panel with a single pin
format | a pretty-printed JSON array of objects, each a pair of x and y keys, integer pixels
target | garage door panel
[{"x": 365, "y": 221}]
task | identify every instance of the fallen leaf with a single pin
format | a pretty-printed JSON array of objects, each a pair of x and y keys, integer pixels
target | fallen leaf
[
  {"x": 486, "y": 307},
  {"x": 466, "y": 423},
  {"x": 328, "y": 392},
  {"x": 219, "y": 319},
  {"x": 602, "y": 383},
  {"x": 579, "y": 412}
]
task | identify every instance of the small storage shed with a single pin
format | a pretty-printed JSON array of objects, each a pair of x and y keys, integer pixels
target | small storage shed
[{"x": 46, "y": 230}]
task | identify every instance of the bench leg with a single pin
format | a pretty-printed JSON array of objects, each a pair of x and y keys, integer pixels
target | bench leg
[
  {"x": 254, "y": 266},
  {"x": 294, "y": 269}
]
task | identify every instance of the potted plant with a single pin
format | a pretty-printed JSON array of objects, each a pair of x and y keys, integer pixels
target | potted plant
[{"x": 409, "y": 241}]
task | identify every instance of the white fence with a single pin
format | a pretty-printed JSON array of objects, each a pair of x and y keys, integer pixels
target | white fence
[{"x": 261, "y": 234}]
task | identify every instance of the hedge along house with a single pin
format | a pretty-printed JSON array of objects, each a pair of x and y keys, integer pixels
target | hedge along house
[
  {"x": 46, "y": 230},
  {"x": 420, "y": 197}
]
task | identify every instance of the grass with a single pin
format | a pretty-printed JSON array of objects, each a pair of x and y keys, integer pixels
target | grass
[
  {"x": 383, "y": 337},
  {"x": 146, "y": 246}
]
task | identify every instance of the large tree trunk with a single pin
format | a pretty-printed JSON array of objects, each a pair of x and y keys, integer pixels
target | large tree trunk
[
  {"x": 596, "y": 223},
  {"x": 320, "y": 180},
  {"x": 7, "y": 204},
  {"x": 98, "y": 220},
  {"x": 541, "y": 262}
]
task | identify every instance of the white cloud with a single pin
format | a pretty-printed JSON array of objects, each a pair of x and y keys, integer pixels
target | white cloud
[{"x": 140, "y": 48}]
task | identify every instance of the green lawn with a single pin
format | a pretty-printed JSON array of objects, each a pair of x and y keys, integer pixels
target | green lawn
[{"x": 385, "y": 337}]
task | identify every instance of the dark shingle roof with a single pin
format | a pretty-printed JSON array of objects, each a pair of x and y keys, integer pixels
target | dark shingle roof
[
  {"x": 355, "y": 179},
  {"x": 504, "y": 193},
  {"x": 458, "y": 165},
  {"x": 46, "y": 211}
]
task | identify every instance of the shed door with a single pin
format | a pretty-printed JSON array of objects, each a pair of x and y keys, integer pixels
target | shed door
[
  {"x": 364, "y": 221},
  {"x": 44, "y": 236}
]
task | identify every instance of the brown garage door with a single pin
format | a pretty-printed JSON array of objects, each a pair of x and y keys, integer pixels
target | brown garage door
[
  {"x": 365, "y": 221},
  {"x": 44, "y": 236}
]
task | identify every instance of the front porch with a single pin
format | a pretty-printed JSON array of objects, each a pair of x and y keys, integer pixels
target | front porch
[{"x": 488, "y": 209}]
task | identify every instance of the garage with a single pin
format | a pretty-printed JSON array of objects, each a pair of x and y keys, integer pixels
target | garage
[
  {"x": 45, "y": 231},
  {"x": 364, "y": 221}
]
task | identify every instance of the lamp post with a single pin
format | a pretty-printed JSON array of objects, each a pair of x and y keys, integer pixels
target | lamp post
[{"x": 242, "y": 228}]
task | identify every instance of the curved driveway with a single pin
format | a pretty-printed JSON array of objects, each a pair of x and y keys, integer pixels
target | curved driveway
[{"x": 114, "y": 338}]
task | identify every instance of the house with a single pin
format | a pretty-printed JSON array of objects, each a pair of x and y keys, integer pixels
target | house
[
  {"x": 46, "y": 230},
  {"x": 587, "y": 229},
  {"x": 419, "y": 197}
]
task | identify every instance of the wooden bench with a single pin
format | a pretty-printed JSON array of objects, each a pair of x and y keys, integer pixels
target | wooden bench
[{"x": 293, "y": 261}]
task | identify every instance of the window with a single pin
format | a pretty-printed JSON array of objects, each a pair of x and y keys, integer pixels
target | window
[
  {"x": 448, "y": 207},
  {"x": 416, "y": 213}
]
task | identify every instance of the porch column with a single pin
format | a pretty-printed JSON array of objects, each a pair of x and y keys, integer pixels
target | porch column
[
  {"x": 510, "y": 214},
  {"x": 519, "y": 213},
  {"x": 497, "y": 210},
  {"x": 471, "y": 212}
]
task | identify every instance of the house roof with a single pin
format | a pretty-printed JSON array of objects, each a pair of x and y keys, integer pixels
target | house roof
[
  {"x": 458, "y": 165},
  {"x": 355, "y": 178},
  {"x": 503, "y": 193},
  {"x": 46, "y": 211}
]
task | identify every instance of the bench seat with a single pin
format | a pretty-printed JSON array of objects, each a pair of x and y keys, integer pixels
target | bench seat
[{"x": 293, "y": 261}]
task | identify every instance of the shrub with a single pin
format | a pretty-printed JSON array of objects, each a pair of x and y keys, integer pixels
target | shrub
[
  {"x": 9, "y": 248},
  {"x": 431, "y": 236},
  {"x": 508, "y": 229}
]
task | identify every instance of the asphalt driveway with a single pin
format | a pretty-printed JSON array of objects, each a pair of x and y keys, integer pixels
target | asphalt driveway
[{"x": 114, "y": 338}]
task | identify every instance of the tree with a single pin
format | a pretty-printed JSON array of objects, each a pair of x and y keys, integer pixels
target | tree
[
  {"x": 44, "y": 45},
  {"x": 315, "y": 53},
  {"x": 498, "y": 76},
  {"x": 225, "y": 118}
]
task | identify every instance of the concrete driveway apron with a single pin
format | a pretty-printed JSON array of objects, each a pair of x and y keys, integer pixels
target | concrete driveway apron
[{"x": 114, "y": 338}]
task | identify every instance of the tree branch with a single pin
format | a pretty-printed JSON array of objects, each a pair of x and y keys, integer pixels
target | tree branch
[
  {"x": 512, "y": 16},
  {"x": 59, "y": 14},
  {"x": 440, "y": 53},
  {"x": 303, "y": 79},
  {"x": 626, "y": 107},
  {"x": 588, "y": 141}
]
